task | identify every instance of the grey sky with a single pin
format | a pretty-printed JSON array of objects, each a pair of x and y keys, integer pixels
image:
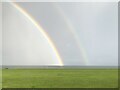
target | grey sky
[
  {"x": 82, "y": 32},
  {"x": 0, "y": 34}
]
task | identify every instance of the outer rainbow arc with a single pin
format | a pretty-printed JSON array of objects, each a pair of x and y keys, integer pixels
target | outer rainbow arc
[
  {"x": 72, "y": 30},
  {"x": 46, "y": 36}
]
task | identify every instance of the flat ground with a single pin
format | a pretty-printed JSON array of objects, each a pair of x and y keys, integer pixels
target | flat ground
[{"x": 60, "y": 78}]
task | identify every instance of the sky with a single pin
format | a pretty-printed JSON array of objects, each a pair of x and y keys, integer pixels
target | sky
[
  {"x": 83, "y": 33},
  {"x": 0, "y": 34}
]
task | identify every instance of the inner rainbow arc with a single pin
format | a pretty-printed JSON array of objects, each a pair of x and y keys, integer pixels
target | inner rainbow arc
[{"x": 46, "y": 36}]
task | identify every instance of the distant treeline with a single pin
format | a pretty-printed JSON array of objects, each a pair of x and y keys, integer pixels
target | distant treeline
[{"x": 79, "y": 67}]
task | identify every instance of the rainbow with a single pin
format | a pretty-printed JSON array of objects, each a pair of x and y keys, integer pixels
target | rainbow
[
  {"x": 46, "y": 36},
  {"x": 73, "y": 32}
]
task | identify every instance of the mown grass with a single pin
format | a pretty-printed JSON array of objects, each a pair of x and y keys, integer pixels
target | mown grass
[{"x": 60, "y": 78}]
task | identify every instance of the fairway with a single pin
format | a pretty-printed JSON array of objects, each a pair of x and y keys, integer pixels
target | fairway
[{"x": 60, "y": 78}]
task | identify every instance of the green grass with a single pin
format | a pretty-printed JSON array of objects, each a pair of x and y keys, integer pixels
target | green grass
[{"x": 60, "y": 78}]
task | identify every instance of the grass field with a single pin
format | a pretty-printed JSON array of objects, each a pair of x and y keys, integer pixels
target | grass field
[{"x": 60, "y": 78}]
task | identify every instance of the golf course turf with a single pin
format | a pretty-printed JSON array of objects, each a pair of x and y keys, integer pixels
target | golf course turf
[{"x": 60, "y": 78}]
